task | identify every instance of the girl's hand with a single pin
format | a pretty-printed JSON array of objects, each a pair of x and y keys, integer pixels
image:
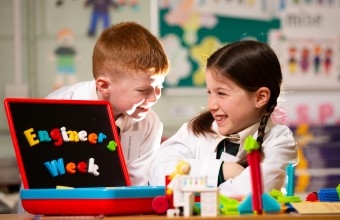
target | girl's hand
[{"x": 231, "y": 170}]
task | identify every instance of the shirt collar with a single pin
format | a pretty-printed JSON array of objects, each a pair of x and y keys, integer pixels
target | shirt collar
[
  {"x": 94, "y": 95},
  {"x": 240, "y": 137}
]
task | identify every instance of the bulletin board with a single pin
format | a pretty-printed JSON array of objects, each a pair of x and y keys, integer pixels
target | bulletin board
[
  {"x": 66, "y": 143},
  {"x": 191, "y": 32}
]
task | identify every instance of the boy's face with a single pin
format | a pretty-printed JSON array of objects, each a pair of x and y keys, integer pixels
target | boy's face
[{"x": 135, "y": 94}]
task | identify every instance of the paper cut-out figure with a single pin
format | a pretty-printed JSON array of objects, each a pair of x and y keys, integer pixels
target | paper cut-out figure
[
  {"x": 100, "y": 11},
  {"x": 65, "y": 58},
  {"x": 292, "y": 60},
  {"x": 328, "y": 60},
  {"x": 317, "y": 58},
  {"x": 304, "y": 63}
]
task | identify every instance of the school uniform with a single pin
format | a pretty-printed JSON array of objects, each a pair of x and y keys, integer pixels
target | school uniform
[
  {"x": 139, "y": 139},
  {"x": 279, "y": 148}
]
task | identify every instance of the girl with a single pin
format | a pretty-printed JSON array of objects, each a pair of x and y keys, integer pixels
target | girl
[{"x": 243, "y": 83}]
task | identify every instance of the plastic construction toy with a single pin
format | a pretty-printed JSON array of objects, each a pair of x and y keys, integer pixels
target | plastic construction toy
[
  {"x": 91, "y": 201},
  {"x": 281, "y": 198},
  {"x": 228, "y": 206},
  {"x": 181, "y": 192},
  {"x": 328, "y": 195},
  {"x": 257, "y": 201},
  {"x": 290, "y": 180},
  {"x": 312, "y": 197}
]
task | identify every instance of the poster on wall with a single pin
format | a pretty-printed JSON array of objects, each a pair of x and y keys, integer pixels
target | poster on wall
[
  {"x": 191, "y": 30},
  {"x": 308, "y": 46},
  {"x": 308, "y": 63}
]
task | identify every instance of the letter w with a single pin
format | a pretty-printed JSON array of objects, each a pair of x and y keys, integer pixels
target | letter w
[{"x": 56, "y": 167}]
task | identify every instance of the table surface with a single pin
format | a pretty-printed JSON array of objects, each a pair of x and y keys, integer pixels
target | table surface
[{"x": 160, "y": 217}]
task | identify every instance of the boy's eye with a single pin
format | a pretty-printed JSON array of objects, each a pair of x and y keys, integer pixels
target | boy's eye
[{"x": 143, "y": 90}]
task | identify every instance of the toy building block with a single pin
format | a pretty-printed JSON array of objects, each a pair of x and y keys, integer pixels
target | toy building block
[
  {"x": 228, "y": 205},
  {"x": 268, "y": 202},
  {"x": 289, "y": 199},
  {"x": 209, "y": 196},
  {"x": 312, "y": 197},
  {"x": 160, "y": 205},
  {"x": 181, "y": 189},
  {"x": 210, "y": 202},
  {"x": 254, "y": 158},
  {"x": 275, "y": 193},
  {"x": 281, "y": 198},
  {"x": 328, "y": 195},
  {"x": 290, "y": 180},
  {"x": 255, "y": 202}
]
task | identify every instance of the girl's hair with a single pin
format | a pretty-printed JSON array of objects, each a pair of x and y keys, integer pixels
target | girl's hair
[
  {"x": 251, "y": 65},
  {"x": 128, "y": 46}
]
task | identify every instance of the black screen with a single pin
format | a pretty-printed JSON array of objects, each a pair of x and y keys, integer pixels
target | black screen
[{"x": 44, "y": 122}]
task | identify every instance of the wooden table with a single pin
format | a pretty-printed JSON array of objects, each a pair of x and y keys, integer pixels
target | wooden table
[{"x": 160, "y": 217}]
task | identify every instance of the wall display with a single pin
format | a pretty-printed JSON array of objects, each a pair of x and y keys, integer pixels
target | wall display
[
  {"x": 305, "y": 107},
  {"x": 308, "y": 63},
  {"x": 308, "y": 43},
  {"x": 191, "y": 30},
  {"x": 65, "y": 58}
]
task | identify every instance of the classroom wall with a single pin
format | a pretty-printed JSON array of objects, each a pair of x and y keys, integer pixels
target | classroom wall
[
  {"x": 41, "y": 20},
  {"x": 30, "y": 70}
]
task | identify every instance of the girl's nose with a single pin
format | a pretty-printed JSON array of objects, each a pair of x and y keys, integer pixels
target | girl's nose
[{"x": 212, "y": 105}]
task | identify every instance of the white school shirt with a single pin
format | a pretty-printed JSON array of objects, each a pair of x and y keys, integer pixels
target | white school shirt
[
  {"x": 279, "y": 147},
  {"x": 139, "y": 139}
]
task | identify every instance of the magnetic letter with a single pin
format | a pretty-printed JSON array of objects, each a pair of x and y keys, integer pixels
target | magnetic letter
[
  {"x": 70, "y": 168},
  {"x": 73, "y": 135},
  {"x": 30, "y": 137},
  {"x": 44, "y": 136},
  {"x": 64, "y": 134},
  {"x": 93, "y": 138},
  {"x": 82, "y": 135},
  {"x": 101, "y": 137},
  {"x": 112, "y": 146},
  {"x": 82, "y": 167},
  {"x": 93, "y": 167},
  {"x": 56, "y": 167},
  {"x": 55, "y": 135}
]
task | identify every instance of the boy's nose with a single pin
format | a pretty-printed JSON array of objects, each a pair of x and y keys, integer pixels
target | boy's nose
[{"x": 153, "y": 96}]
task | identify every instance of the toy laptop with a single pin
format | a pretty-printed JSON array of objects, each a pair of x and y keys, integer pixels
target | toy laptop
[{"x": 70, "y": 159}]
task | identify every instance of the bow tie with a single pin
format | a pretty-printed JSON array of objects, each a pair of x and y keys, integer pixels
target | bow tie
[{"x": 235, "y": 138}]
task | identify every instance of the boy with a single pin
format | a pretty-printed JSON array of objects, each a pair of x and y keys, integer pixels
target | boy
[{"x": 129, "y": 66}]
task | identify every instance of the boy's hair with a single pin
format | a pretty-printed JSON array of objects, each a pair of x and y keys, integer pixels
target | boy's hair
[
  {"x": 128, "y": 46},
  {"x": 251, "y": 65}
]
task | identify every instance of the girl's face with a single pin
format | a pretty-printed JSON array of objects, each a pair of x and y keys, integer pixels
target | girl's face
[
  {"x": 134, "y": 94},
  {"x": 232, "y": 107}
]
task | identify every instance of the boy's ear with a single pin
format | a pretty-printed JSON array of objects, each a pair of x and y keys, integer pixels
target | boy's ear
[
  {"x": 262, "y": 96},
  {"x": 103, "y": 86}
]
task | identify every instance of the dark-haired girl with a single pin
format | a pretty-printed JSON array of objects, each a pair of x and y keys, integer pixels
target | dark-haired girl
[{"x": 243, "y": 84}]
